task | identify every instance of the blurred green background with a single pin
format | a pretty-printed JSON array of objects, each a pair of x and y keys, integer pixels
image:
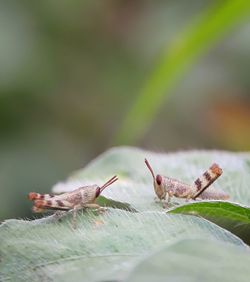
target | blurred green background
[{"x": 77, "y": 77}]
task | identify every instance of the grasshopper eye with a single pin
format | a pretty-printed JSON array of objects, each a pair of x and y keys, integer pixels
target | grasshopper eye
[
  {"x": 158, "y": 179},
  {"x": 97, "y": 192}
]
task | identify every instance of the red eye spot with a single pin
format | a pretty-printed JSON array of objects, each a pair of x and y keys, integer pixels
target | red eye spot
[
  {"x": 98, "y": 191},
  {"x": 158, "y": 179}
]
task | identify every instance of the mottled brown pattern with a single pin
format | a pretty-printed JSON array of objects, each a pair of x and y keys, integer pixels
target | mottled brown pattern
[
  {"x": 181, "y": 190},
  {"x": 83, "y": 197},
  {"x": 207, "y": 176},
  {"x": 198, "y": 184},
  {"x": 60, "y": 203},
  {"x": 75, "y": 198},
  {"x": 216, "y": 169},
  {"x": 48, "y": 203}
]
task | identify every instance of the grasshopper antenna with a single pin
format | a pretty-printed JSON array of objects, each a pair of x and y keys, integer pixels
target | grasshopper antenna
[
  {"x": 108, "y": 183},
  {"x": 150, "y": 168}
]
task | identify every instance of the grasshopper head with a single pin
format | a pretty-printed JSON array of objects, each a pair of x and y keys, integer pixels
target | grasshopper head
[
  {"x": 108, "y": 183},
  {"x": 158, "y": 182}
]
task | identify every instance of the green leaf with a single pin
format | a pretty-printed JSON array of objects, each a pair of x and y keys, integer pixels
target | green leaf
[
  {"x": 107, "y": 202},
  {"x": 107, "y": 247},
  {"x": 135, "y": 185},
  {"x": 102, "y": 248},
  {"x": 232, "y": 217},
  {"x": 193, "y": 261}
]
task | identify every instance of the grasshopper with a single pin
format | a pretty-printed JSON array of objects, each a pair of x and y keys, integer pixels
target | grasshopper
[
  {"x": 83, "y": 197},
  {"x": 169, "y": 187}
]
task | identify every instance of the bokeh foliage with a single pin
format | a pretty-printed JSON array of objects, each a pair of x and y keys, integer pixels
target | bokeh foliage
[{"x": 71, "y": 71}]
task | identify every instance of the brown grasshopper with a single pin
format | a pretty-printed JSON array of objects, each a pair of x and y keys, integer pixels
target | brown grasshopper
[
  {"x": 83, "y": 197},
  {"x": 169, "y": 187}
]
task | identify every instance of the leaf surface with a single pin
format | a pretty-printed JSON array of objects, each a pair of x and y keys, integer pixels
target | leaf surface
[
  {"x": 107, "y": 247},
  {"x": 135, "y": 185},
  {"x": 103, "y": 247},
  {"x": 233, "y": 217},
  {"x": 194, "y": 260}
]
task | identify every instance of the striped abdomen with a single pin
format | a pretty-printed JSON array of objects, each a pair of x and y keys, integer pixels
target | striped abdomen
[{"x": 213, "y": 194}]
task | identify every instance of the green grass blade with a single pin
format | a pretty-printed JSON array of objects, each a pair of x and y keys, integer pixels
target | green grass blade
[{"x": 204, "y": 31}]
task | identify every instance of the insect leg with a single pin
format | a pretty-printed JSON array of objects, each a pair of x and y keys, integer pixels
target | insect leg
[
  {"x": 170, "y": 195},
  {"x": 165, "y": 202},
  {"x": 208, "y": 177},
  {"x": 53, "y": 204},
  {"x": 74, "y": 217},
  {"x": 92, "y": 206},
  {"x": 95, "y": 206},
  {"x": 157, "y": 200},
  {"x": 189, "y": 197},
  {"x": 59, "y": 214}
]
